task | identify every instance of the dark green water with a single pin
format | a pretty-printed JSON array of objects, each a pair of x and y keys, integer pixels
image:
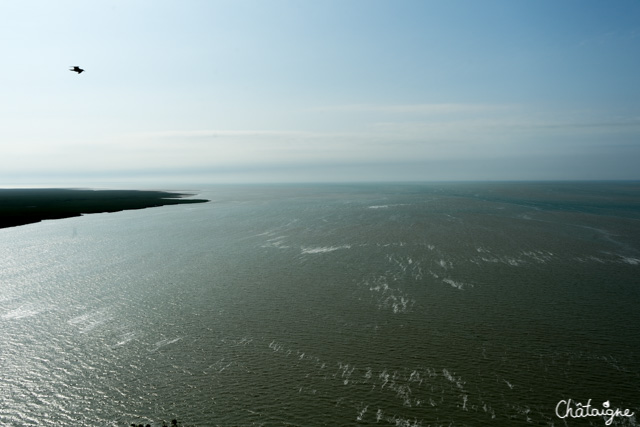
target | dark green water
[{"x": 407, "y": 305}]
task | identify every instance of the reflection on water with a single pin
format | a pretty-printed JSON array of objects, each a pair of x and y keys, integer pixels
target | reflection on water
[{"x": 327, "y": 305}]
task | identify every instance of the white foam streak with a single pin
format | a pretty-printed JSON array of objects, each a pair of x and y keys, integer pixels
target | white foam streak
[
  {"x": 457, "y": 285},
  {"x": 125, "y": 339},
  {"x": 89, "y": 321},
  {"x": 163, "y": 343},
  {"x": 324, "y": 249},
  {"x": 27, "y": 310},
  {"x": 276, "y": 242}
]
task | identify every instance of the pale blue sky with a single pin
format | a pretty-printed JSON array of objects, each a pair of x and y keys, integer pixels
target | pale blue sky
[{"x": 346, "y": 90}]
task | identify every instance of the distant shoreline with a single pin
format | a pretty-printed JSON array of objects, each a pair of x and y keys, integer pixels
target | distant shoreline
[{"x": 22, "y": 206}]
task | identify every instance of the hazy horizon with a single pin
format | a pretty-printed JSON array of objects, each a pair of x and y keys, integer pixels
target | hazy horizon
[{"x": 333, "y": 91}]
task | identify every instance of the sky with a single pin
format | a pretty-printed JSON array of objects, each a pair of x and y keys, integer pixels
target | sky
[{"x": 217, "y": 91}]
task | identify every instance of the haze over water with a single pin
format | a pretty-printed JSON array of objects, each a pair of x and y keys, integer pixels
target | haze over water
[{"x": 380, "y": 304}]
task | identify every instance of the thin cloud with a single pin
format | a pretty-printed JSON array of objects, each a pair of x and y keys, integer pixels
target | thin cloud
[
  {"x": 215, "y": 133},
  {"x": 420, "y": 109}
]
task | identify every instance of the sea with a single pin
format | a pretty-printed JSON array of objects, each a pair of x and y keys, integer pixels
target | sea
[{"x": 382, "y": 304}]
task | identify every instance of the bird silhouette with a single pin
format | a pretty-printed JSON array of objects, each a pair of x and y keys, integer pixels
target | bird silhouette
[{"x": 76, "y": 69}]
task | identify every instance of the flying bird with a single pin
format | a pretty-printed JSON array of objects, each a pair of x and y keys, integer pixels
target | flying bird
[{"x": 76, "y": 69}]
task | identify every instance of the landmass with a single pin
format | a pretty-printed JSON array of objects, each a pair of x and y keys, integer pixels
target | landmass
[{"x": 21, "y": 206}]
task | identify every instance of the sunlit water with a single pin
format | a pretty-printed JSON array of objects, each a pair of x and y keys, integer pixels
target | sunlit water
[{"x": 404, "y": 305}]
